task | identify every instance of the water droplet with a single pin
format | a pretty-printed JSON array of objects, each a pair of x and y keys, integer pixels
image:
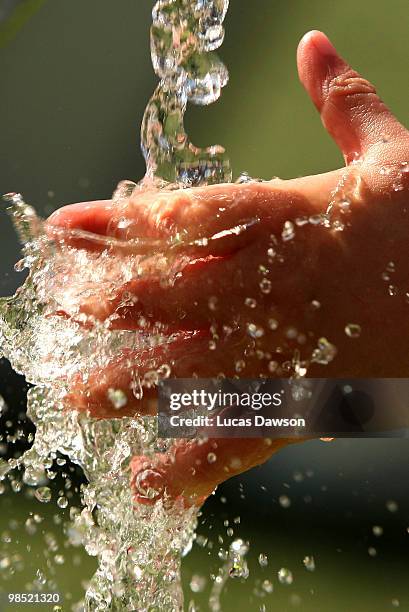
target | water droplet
[
  {"x": 240, "y": 365},
  {"x": 377, "y": 530},
  {"x": 263, "y": 560},
  {"x": 30, "y": 526},
  {"x": 291, "y": 333},
  {"x": 16, "y": 485},
  {"x": 144, "y": 483},
  {"x": 372, "y": 552},
  {"x": 5, "y": 562},
  {"x": 392, "y": 290},
  {"x": 164, "y": 371},
  {"x": 43, "y": 494},
  {"x": 117, "y": 398},
  {"x": 398, "y": 185},
  {"x": 266, "y": 286},
  {"x": 272, "y": 366},
  {"x": 345, "y": 205},
  {"x": 197, "y": 583},
  {"x": 239, "y": 547},
  {"x": 201, "y": 541},
  {"x": 213, "y": 303},
  {"x": 235, "y": 463},
  {"x": 325, "y": 352},
  {"x": 40, "y": 577},
  {"x": 300, "y": 221},
  {"x": 288, "y": 232},
  {"x": 255, "y": 331},
  {"x": 244, "y": 178},
  {"x": 211, "y": 458},
  {"x": 62, "y": 502},
  {"x": 123, "y": 191},
  {"x": 239, "y": 569},
  {"x": 250, "y": 302},
  {"x": 309, "y": 563},
  {"x": 3, "y": 406},
  {"x": 338, "y": 225},
  {"x": 284, "y": 501},
  {"x": 267, "y": 586},
  {"x": 285, "y": 576},
  {"x": 392, "y": 505},
  {"x": 353, "y": 330},
  {"x": 317, "y": 219}
]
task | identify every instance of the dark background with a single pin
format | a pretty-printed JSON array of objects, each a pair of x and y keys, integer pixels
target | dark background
[{"x": 75, "y": 78}]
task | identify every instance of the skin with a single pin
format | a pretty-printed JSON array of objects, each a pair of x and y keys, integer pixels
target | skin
[{"x": 319, "y": 282}]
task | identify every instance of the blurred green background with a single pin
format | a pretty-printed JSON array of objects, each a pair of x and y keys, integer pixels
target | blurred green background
[{"x": 75, "y": 78}]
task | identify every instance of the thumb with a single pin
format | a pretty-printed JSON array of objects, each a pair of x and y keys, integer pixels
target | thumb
[{"x": 350, "y": 108}]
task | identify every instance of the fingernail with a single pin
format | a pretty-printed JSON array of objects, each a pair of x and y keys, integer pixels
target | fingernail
[{"x": 323, "y": 45}]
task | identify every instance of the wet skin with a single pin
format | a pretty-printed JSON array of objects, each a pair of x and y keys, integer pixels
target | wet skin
[{"x": 219, "y": 307}]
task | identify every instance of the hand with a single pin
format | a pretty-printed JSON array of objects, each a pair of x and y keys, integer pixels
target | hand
[{"x": 259, "y": 301}]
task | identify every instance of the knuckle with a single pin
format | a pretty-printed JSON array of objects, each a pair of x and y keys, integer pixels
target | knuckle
[
  {"x": 349, "y": 84},
  {"x": 161, "y": 214},
  {"x": 169, "y": 214}
]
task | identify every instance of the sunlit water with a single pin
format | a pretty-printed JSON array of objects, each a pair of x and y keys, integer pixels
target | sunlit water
[
  {"x": 184, "y": 36},
  {"x": 139, "y": 548}
]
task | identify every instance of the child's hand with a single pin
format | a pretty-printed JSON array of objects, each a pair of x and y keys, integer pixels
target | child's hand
[{"x": 257, "y": 302}]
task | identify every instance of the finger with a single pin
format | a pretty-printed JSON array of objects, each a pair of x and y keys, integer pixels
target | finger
[
  {"x": 196, "y": 213},
  {"x": 350, "y": 108},
  {"x": 127, "y": 385},
  {"x": 158, "y": 216},
  {"x": 191, "y": 471},
  {"x": 87, "y": 216},
  {"x": 174, "y": 287}
]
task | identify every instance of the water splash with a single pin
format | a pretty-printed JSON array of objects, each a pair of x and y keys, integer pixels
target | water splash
[
  {"x": 138, "y": 548},
  {"x": 234, "y": 567},
  {"x": 139, "y": 562}
]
